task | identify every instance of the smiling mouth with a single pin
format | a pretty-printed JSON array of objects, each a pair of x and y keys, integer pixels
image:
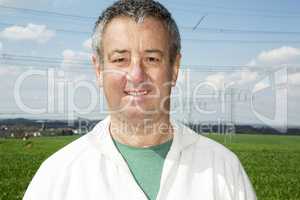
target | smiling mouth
[{"x": 136, "y": 93}]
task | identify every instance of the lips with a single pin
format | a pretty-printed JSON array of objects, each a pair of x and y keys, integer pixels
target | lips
[{"x": 136, "y": 93}]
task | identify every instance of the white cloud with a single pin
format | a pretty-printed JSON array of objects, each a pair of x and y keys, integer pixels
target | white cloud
[
  {"x": 32, "y": 4},
  {"x": 244, "y": 76},
  {"x": 239, "y": 79},
  {"x": 8, "y": 70},
  {"x": 242, "y": 80},
  {"x": 76, "y": 64},
  {"x": 217, "y": 79},
  {"x": 75, "y": 58},
  {"x": 284, "y": 56},
  {"x": 248, "y": 76},
  {"x": 294, "y": 79},
  {"x": 33, "y": 32},
  {"x": 260, "y": 86},
  {"x": 87, "y": 44},
  {"x": 280, "y": 56},
  {"x": 1, "y": 46},
  {"x": 252, "y": 63}
]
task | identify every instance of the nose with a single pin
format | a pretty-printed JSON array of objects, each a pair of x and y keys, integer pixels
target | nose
[{"x": 136, "y": 74}]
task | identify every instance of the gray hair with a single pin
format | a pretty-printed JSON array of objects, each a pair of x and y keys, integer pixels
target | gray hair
[{"x": 138, "y": 10}]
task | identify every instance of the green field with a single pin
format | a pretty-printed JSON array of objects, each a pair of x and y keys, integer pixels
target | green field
[{"x": 272, "y": 163}]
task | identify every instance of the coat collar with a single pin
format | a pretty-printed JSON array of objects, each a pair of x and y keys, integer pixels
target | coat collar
[{"x": 102, "y": 141}]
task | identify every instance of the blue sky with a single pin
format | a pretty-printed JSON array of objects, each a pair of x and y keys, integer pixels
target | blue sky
[
  {"x": 241, "y": 15},
  {"x": 262, "y": 35}
]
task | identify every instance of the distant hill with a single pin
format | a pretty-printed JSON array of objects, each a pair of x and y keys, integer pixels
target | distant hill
[
  {"x": 243, "y": 129},
  {"x": 48, "y": 123},
  {"x": 75, "y": 124}
]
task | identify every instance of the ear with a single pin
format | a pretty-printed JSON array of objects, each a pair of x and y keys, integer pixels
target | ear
[
  {"x": 175, "y": 68},
  {"x": 98, "y": 66}
]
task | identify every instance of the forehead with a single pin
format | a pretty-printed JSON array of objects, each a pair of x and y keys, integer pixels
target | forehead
[{"x": 125, "y": 32}]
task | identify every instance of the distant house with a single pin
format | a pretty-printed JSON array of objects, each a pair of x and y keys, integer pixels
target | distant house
[
  {"x": 3, "y": 128},
  {"x": 36, "y": 134},
  {"x": 67, "y": 131},
  {"x": 4, "y": 131}
]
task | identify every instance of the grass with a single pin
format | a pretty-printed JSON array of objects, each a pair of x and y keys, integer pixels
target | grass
[
  {"x": 272, "y": 163},
  {"x": 20, "y": 159}
]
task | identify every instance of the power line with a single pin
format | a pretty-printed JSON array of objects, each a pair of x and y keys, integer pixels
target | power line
[
  {"x": 58, "y": 29},
  {"x": 250, "y": 15},
  {"x": 242, "y": 41},
  {"x": 44, "y": 61},
  {"x": 5, "y": 55},
  {"x": 208, "y": 30},
  {"x": 47, "y": 12},
  {"x": 240, "y": 31},
  {"x": 43, "y": 66},
  {"x": 25, "y": 58},
  {"x": 81, "y": 17},
  {"x": 81, "y": 62},
  {"x": 224, "y": 13},
  {"x": 240, "y": 9},
  {"x": 193, "y": 67},
  {"x": 64, "y": 113},
  {"x": 199, "y": 22}
]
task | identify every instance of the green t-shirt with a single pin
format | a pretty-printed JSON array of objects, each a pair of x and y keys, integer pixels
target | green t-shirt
[{"x": 145, "y": 165}]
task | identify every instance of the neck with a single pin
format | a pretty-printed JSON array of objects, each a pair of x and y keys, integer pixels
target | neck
[{"x": 143, "y": 134}]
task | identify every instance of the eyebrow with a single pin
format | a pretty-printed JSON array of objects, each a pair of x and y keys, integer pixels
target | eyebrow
[
  {"x": 154, "y": 51},
  {"x": 119, "y": 51}
]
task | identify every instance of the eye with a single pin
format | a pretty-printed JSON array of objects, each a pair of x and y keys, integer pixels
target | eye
[
  {"x": 118, "y": 60},
  {"x": 152, "y": 59}
]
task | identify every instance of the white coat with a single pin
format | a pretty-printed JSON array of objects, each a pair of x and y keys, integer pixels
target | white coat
[{"x": 91, "y": 168}]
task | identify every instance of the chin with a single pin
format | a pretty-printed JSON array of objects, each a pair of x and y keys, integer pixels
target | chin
[{"x": 135, "y": 115}]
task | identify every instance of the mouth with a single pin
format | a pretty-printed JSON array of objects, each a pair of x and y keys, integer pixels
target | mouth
[{"x": 136, "y": 93}]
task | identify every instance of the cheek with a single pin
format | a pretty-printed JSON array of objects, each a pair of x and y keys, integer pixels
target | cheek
[
  {"x": 113, "y": 85},
  {"x": 162, "y": 80}
]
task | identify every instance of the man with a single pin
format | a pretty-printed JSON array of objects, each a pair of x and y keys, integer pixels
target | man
[{"x": 138, "y": 153}]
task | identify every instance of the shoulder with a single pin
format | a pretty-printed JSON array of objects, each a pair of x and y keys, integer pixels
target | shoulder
[
  {"x": 56, "y": 171},
  {"x": 206, "y": 153},
  {"x": 77, "y": 151},
  {"x": 219, "y": 150},
  {"x": 210, "y": 160},
  {"x": 68, "y": 154},
  {"x": 209, "y": 148}
]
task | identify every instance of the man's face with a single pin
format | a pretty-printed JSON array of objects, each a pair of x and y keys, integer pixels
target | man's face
[{"x": 136, "y": 71}]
